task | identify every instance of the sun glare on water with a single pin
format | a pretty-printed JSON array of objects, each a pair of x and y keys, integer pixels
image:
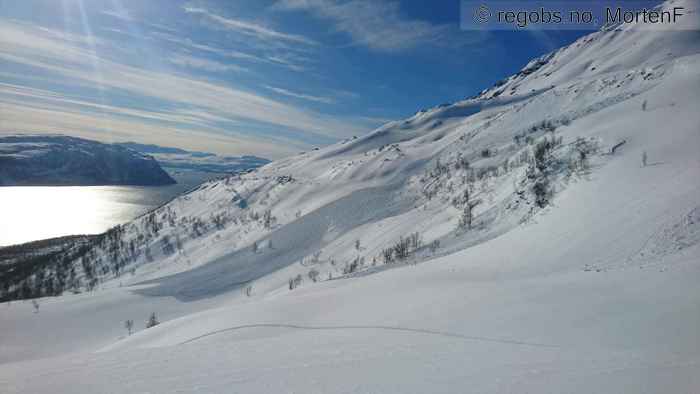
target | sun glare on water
[{"x": 31, "y": 213}]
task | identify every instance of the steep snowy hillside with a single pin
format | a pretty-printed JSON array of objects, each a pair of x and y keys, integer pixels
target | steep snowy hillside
[
  {"x": 543, "y": 236},
  {"x": 40, "y": 160}
]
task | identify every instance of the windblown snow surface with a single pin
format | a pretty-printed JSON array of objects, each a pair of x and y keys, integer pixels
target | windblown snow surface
[{"x": 597, "y": 292}]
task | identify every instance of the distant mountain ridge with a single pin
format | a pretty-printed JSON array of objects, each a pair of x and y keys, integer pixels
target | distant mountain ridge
[
  {"x": 151, "y": 148},
  {"x": 59, "y": 160},
  {"x": 176, "y": 158}
]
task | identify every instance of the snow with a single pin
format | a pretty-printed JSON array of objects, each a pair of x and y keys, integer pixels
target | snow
[
  {"x": 597, "y": 292},
  {"x": 53, "y": 159},
  {"x": 175, "y": 159}
]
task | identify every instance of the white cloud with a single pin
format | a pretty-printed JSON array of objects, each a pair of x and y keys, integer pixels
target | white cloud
[
  {"x": 249, "y": 28},
  {"x": 161, "y": 26},
  {"x": 24, "y": 109},
  {"x": 119, "y": 14},
  {"x": 203, "y": 64},
  {"x": 132, "y": 35},
  {"x": 287, "y": 60},
  {"x": 285, "y": 92},
  {"x": 230, "y": 53},
  {"x": 376, "y": 25},
  {"x": 76, "y": 65},
  {"x": 187, "y": 129}
]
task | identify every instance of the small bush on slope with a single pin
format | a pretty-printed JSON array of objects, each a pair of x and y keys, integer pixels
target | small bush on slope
[{"x": 152, "y": 321}]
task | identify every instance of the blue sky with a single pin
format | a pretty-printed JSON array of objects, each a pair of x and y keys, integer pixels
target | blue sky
[{"x": 269, "y": 78}]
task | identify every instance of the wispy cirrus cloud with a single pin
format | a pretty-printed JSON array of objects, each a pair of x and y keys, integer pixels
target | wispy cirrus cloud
[
  {"x": 204, "y": 64},
  {"x": 24, "y": 109},
  {"x": 248, "y": 28},
  {"x": 121, "y": 14},
  {"x": 269, "y": 37},
  {"x": 190, "y": 44},
  {"x": 289, "y": 61},
  {"x": 216, "y": 111},
  {"x": 130, "y": 34},
  {"x": 308, "y": 97},
  {"x": 161, "y": 26},
  {"x": 377, "y": 25}
]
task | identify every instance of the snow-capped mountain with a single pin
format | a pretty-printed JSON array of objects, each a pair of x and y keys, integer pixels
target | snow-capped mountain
[
  {"x": 543, "y": 236},
  {"x": 179, "y": 159},
  {"x": 33, "y": 160}
]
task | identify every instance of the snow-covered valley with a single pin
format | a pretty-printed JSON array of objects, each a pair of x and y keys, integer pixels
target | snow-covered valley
[{"x": 543, "y": 236}]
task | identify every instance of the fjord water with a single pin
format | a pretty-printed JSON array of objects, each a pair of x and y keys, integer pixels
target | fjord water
[{"x": 30, "y": 213}]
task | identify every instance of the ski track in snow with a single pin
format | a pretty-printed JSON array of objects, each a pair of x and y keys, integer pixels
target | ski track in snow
[{"x": 370, "y": 327}]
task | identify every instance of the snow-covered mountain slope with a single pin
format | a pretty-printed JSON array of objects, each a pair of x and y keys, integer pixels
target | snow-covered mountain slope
[
  {"x": 39, "y": 160},
  {"x": 578, "y": 272}
]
